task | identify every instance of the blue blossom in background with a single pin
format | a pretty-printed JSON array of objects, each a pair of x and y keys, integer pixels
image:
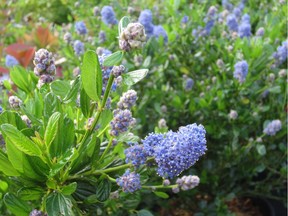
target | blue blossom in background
[
  {"x": 118, "y": 70},
  {"x": 260, "y": 32},
  {"x": 1, "y": 109},
  {"x": 244, "y": 30},
  {"x": 129, "y": 181},
  {"x": 237, "y": 12},
  {"x": 185, "y": 19},
  {"x": 80, "y": 28},
  {"x": 240, "y": 71},
  {"x": 102, "y": 36},
  {"x": 178, "y": 151},
  {"x": 127, "y": 100},
  {"x": 11, "y": 61},
  {"x": 227, "y": 5},
  {"x": 231, "y": 22},
  {"x": 273, "y": 127},
  {"x": 188, "y": 83},
  {"x": 108, "y": 16},
  {"x": 122, "y": 120},
  {"x": 78, "y": 47},
  {"x": 160, "y": 31},
  {"x": 136, "y": 155},
  {"x": 245, "y": 18},
  {"x": 281, "y": 54},
  {"x": 145, "y": 19}
]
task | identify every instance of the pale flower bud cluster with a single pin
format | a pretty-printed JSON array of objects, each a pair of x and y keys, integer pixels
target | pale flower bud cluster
[{"x": 132, "y": 37}]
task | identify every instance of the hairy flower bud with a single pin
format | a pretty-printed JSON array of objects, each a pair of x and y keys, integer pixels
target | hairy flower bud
[
  {"x": 15, "y": 102},
  {"x": 132, "y": 37}
]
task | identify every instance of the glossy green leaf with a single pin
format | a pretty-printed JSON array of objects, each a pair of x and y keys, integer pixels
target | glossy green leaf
[
  {"x": 91, "y": 75},
  {"x": 16, "y": 205},
  {"x": 60, "y": 88},
  {"x": 21, "y": 78},
  {"x": 144, "y": 212},
  {"x": 123, "y": 24},
  {"x": 58, "y": 205},
  {"x": 69, "y": 189},
  {"x": 73, "y": 92},
  {"x": 103, "y": 189},
  {"x": 52, "y": 128},
  {"x": 261, "y": 149},
  {"x": 84, "y": 103},
  {"x": 134, "y": 76},
  {"x": 23, "y": 143},
  {"x": 51, "y": 105},
  {"x": 161, "y": 194},
  {"x": 12, "y": 118},
  {"x": 31, "y": 193},
  {"x": 6, "y": 166},
  {"x": 113, "y": 59}
]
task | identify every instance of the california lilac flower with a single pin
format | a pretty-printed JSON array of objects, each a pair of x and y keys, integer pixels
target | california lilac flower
[
  {"x": 96, "y": 11},
  {"x": 233, "y": 114},
  {"x": 122, "y": 120},
  {"x": 227, "y": 5},
  {"x": 260, "y": 32},
  {"x": 244, "y": 30},
  {"x": 185, "y": 19},
  {"x": 132, "y": 37},
  {"x": 117, "y": 71},
  {"x": 26, "y": 120},
  {"x": 240, "y": 71},
  {"x": 108, "y": 16},
  {"x": 177, "y": 151},
  {"x": 36, "y": 212},
  {"x": 166, "y": 182},
  {"x": 78, "y": 47},
  {"x": 80, "y": 28},
  {"x": 237, "y": 12},
  {"x": 273, "y": 127},
  {"x": 160, "y": 31},
  {"x": 11, "y": 61},
  {"x": 188, "y": 182},
  {"x": 102, "y": 51},
  {"x": 129, "y": 181},
  {"x": 67, "y": 37},
  {"x": 188, "y": 83},
  {"x": 102, "y": 36},
  {"x": 151, "y": 141},
  {"x": 145, "y": 19},
  {"x": 1, "y": 109},
  {"x": 281, "y": 54},
  {"x": 245, "y": 18},
  {"x": 162, "y": 123},
  {"x": 15, "y": 102},
  {"x": 127, "y": 100},
  {"x": 136, "y": 155},
  {"x": 231, "y": 22}
]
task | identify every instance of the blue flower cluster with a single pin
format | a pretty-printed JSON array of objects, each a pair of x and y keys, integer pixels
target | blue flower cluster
[
  {"x": 129, "y": 181},
  {"x": 36, "y": 212},
  {"x": 127, "y": 100},
  {"x": 176, "y": 151},
  {"x": 80, "y": 28},
  {"x": 122, "y": 120},
  {"x": 78, "y": 47},
  {"x": 244, "y": 29},
  {"x": 108, "y": 16},
  {"x": 232, "y": 23},
  {"x": 15, "y": 102},
  {"x": 136, "y": 155},
  {"x": 102, "y": 36},
  {"x": 240, "y": 71},
  {"x": 11, "y": 61},
  {"x": 185, "y": 19},
  {"x": 188, "y": 182},
  {"x": 188, "y": 83},
  {"x": 118, "y": 70},
  {"x": 151, "y": 30},
  {"x": 281, "y": 54},
  {"x": 273, "y": 127}
]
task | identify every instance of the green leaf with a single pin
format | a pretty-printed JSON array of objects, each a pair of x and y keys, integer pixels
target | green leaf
[
  {"x": 144, "y": 212},
  {"x": 123, "y": 24},
  {"x": 31, "y": 193},
  {"x": 84, "y": 103},
  {"x": 103, "y": 189},
  {"x": 12, "y": 118},
  {"x": 91, "y": 75},
  {"x": 161, "y": 194},
  {"x": 69, "y": 189},
  {"x": 59, "y": 205},
  {"x": 16, "y": 205},
  {"x": 261, "y": 149},
  {"x": 113, "y": 59},
  {"x": 3, "y": 185},
  {"x": 60, "y": 88},
  {"x": 21, "y": 78},
  {"x": 134, "y": 76},
  {"x": 23, "y": 143},
  {"x": 51, "y": 105},
  {"x": 72, "y": 94},
  {"x": 275, "y": 89},
  {"x": 52, "y": 128},
  {"x": 6, "y": 166}
]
